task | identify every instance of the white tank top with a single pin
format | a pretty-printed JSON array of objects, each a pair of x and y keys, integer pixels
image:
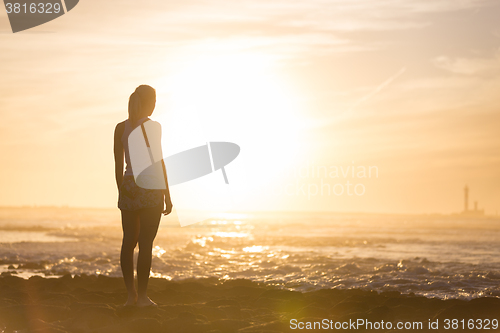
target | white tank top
[{"x": 126, "y": 132}]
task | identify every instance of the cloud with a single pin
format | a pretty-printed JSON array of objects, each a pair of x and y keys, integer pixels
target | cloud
[
  {"x": 468, "y": 66},
  {"x": 365, "y": 15}
]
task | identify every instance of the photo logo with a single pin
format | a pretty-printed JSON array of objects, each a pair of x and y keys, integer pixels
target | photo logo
[
  {"x": 25, "y": 15},
  {"x": 196, "y": 162}
]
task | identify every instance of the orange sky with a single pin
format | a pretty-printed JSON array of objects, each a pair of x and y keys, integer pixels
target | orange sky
[{"x": 410, "y": 87}]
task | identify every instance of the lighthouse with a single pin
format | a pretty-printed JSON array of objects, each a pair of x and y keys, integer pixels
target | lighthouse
[{"x": 476, "y": 212}]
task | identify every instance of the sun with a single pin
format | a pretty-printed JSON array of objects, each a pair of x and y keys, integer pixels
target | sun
[{"x": 238, "y": 98}]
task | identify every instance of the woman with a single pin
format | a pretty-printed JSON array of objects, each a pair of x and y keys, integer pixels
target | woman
[{"x": 141, "y": 209}]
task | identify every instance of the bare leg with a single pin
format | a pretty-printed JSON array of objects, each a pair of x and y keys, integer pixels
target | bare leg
[
  {"x": 150, "y": 220},
  {"x": 130, "y": 226}
]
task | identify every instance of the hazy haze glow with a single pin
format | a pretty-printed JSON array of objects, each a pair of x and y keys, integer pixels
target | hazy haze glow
[{"x": 410, "y": 87}]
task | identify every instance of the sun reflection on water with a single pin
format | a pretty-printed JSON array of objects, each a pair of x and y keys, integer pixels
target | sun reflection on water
[
  {"x": 160, "y": 276},
  {"x": 254, "y": 248},
  {"x": 230, "y": 234},
  {"x": 202, "y": 241},
  {"x": 158, "y": 251}
]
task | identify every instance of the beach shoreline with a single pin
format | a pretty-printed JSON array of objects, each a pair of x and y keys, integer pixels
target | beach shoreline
[{"x": 93, "y": 303}]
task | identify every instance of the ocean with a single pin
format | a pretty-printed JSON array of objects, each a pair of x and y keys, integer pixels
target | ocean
[{"x": 434, "y": 256}]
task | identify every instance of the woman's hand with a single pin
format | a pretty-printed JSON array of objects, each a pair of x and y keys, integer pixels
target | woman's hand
[{"x": 168, "y": 206}]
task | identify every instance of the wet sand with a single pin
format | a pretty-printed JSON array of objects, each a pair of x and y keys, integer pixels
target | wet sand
[{"x": 94, "y": 304}]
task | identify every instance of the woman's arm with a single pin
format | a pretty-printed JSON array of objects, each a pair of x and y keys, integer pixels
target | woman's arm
[
  {"x": 119, "y": 153},
  {"x": 166, "y": 192}
]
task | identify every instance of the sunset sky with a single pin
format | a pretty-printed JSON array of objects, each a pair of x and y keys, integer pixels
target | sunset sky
[{"x": 410, "y": 87}]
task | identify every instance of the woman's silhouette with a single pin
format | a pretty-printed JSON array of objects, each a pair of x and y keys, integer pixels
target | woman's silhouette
[{"x": 141, "y": 209}]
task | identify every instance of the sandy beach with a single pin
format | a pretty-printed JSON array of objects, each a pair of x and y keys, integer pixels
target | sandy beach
[{"x": 94, "y": 304}]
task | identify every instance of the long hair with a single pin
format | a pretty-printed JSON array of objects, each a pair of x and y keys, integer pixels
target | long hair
[{"x": 141, "y": 103}]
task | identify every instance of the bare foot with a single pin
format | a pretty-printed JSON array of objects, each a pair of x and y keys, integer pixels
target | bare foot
[
  {"x": 132, "y": 300},
  {"x": 145, "y": 301}
]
